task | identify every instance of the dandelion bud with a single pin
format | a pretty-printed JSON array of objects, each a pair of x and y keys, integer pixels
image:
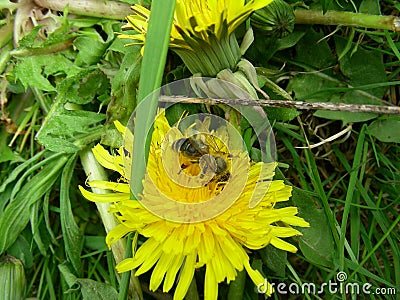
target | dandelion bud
[
  {"x": 12, "y": 278},
  {"x": 276, "y": 19}
]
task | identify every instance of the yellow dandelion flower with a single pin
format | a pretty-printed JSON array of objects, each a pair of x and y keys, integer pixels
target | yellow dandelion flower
[
  {"x": 179, "y": 243},
  {"x": 202, "y": 33}
]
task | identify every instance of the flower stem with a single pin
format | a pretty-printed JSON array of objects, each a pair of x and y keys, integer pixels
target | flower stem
[
  {"x": 45, "y": 50},
  {"x": 347, "y": 19},
  {"x": 124, "y": 283},
  {"x": 95, "y": 171},
  {"x": 95, "y": 8}
]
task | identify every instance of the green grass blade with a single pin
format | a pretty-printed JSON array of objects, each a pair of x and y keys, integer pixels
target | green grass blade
[
  {"x": 349, "y": 196},
  {"x": 19, "y": 169},
  {"x": 152, "y": 69},
  {"x": 317, "y": 184},
  {"x": 15, "y": 216},
  {"x": 379, "y": 216},
  {"x": 124, "y": 285},
  {"x": 73, "y": 237},
  {"x": 392, "y": 44},
  {"x": 156, "y": 48}
]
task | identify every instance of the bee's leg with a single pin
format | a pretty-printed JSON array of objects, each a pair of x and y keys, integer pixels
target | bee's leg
[
  {"x": 183, "y": 167},
  {"x": 204, "y": 171}
]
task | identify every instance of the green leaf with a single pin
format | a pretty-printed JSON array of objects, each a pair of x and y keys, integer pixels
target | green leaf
[
  {"x": 91, "y": 50},
  {"x": 94, "y": 290},
  {"x": 61, "y": 34},
  {"x": 123, "y": 89},
  {"x": 29, "y": 71},
  {"x": 326, "y": 86},
  {"x": 264, "y": 47},
  {"x": 57, "y": 64},
  {"x": 15, "y": 216},
  {"x": 316, "y": 243},
  {"x": 314, "y": 51},
  {"x": 359, "y": 72},
  {"x": 281, "y": 114},
  {"x": 124, "y": 86},
  {"x": 175, "y": 112},
  {"x": 123, "y": 45},
  {"x": 95, "y": 242},
  {"x": 83, "y": 87},
  {"x": 275, "y": 259},
  {"x": 325, "y": 5},
  {"x": 33, "y": 71},
  {"x": 69, "y": 278},
  {"x": 21, "y": 249},
  {"x": 58, "y": 30},
  {"x": 19, "y": 169},
  {"x": 47, "y": 218},
  {"x": 6, "y": 153},
  {"x": 386, "y": 130},
  {"x": 4, "y": 196},
  {"x": 28, "y": 41},
  {"x": 73, "y": 237},
  {"x": 236, "y": 287},
  {"x": 132, "y": 2},
  {"x": 37, "y": 228},
  {"x": 94, "y": 84},
  {"x": 151, "y": 73},
  {"x": 370, "y": 7},
  {"x": 63, "y": 127},
  {"x": 91, "y": 290},
  {"x": 304, "y": 86}
]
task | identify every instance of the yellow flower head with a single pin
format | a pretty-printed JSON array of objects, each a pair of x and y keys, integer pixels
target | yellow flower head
[
  {"x": 197, "y": 18},
  {"x": 202, "y": 27},
  {"x": 191, "y": 233}
]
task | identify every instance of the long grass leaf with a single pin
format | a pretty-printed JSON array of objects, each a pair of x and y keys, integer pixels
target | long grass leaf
[
  {"x": 349, "y": 196},
  {"x": 156, "y": 48},
  {"x": 16, "y": 215},
  {"x": 17, "y": 171},
  {"x": 379, "y": 215},
  {"x": 73, "y": 237}
]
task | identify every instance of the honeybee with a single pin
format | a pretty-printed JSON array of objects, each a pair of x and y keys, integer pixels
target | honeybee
[{"x": 197, "y": 150}]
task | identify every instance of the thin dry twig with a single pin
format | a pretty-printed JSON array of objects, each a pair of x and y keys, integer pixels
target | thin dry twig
[
  {"x": 357, "y": 108},
  {"x": 329, "y": 139}
]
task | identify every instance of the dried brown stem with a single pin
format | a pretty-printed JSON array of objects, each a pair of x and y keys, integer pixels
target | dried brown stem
[
  {"x": 94, "y": 8},
  {"x": 358, "y": 108}
]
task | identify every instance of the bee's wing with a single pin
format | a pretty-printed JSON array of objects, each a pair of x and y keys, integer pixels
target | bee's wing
[{"x": 216, "y": 144}]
